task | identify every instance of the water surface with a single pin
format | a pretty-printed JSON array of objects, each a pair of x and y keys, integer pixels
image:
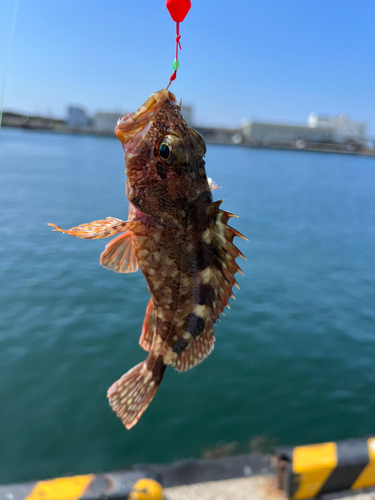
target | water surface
[{"x": 294, "y": 356}]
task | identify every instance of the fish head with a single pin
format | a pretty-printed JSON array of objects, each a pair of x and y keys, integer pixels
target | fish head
[{"x": 164, "y": 159}]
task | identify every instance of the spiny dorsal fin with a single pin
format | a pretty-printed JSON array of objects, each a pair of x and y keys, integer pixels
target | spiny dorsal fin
[
  {"x": 212, "y": 290},
  {"x": 213, "y": 208},
  {"x": 119, "y": 254},
  {"x": 221, "y": 277}
]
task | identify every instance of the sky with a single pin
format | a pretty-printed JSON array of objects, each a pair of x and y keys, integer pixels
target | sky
[{"x": 268, "y": 60}]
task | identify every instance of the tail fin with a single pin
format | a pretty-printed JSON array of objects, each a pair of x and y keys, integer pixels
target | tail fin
[{"x": 130, "y": 396}]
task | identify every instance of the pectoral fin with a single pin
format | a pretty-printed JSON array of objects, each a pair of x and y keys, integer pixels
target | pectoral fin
[
  {"x": 119, "y": 254},
  {"x": 97, "y": 229},
  {"x": 212, "y": 184}
]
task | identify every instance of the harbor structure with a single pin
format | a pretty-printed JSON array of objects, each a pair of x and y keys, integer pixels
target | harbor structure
[
  {"x": 77, "y": 118},
  {"x": 105, "y": 123},
  {"x": 319, "y": 130},
  {"x": 266, "y": 134},
  {"x": 302, "y": 472},
  {"x": 187, "y": 113},
  {"x": 337, "y": 134},
  {"x": 343, "y": 129}
]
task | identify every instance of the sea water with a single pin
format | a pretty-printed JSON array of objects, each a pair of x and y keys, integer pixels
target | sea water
[{"x": 294, "y": 357}]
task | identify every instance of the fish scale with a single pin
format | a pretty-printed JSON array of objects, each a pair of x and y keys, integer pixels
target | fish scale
[{"x": 179, "y": 238}]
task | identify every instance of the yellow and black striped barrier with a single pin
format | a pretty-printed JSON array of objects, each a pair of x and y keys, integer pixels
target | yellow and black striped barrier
[
  {"x": 313, "y": 470},
  {"x": 119, "y": 486}
]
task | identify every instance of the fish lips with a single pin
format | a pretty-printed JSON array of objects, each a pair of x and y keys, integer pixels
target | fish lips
[
  {"x": 132, "y": 127},
  {"x": 130, "y": 130},
  {"x": 130, "y": 139}
]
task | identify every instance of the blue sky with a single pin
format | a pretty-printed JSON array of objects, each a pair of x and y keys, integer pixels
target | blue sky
[{"x": 268, "y": 60}]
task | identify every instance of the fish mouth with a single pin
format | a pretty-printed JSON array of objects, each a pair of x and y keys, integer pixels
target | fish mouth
[{"x": 138, "y": 123}]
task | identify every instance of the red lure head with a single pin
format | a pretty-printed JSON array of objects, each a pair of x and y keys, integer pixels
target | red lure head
[{"x": 178, "y": 9}]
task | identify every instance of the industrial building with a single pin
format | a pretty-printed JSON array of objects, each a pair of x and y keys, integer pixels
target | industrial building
[
  {"x": 321, "y": 133},
  {"x": 272, "y": 133},
  {"x": 187, "y": 113},
  {"x": 77, "y": 118},
  {"x": 343, "y": 130},
  {"x": 105, "y": 123},
  {"x": 319, "y": 130}
]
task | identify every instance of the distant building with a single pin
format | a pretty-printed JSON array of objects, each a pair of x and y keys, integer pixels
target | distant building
[
  {"x": 343, "y": 130},
  {"x": 106, "y": 122},
  {"x": 320, "y": 129},
  {"x": 272, "y": 133},
  {"x": 77, "y": 118},
  {"x": 187, "y": 114}
]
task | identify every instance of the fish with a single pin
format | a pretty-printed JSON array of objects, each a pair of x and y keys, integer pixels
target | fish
[{"x": 179, "y": 238}]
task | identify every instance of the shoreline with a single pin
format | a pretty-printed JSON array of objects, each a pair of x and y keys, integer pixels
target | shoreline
[{"x": 224, "y": 137}]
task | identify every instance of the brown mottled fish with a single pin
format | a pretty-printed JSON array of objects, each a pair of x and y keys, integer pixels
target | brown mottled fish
[{"x": 178, "y": 237}]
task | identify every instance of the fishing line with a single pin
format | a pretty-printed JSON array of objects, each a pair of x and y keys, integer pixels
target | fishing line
[
  {"x": 5, "y": 63},
  {"x": 178, "y": 10},
  {"x": 176, "y": 63}
]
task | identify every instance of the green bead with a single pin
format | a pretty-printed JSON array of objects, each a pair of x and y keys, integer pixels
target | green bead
[{"x": 176, "y": 64}]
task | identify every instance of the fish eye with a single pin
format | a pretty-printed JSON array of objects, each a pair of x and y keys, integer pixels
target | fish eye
[
  {"x": 171, "y": 150},
  {"x": 164, "y": 151}
]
